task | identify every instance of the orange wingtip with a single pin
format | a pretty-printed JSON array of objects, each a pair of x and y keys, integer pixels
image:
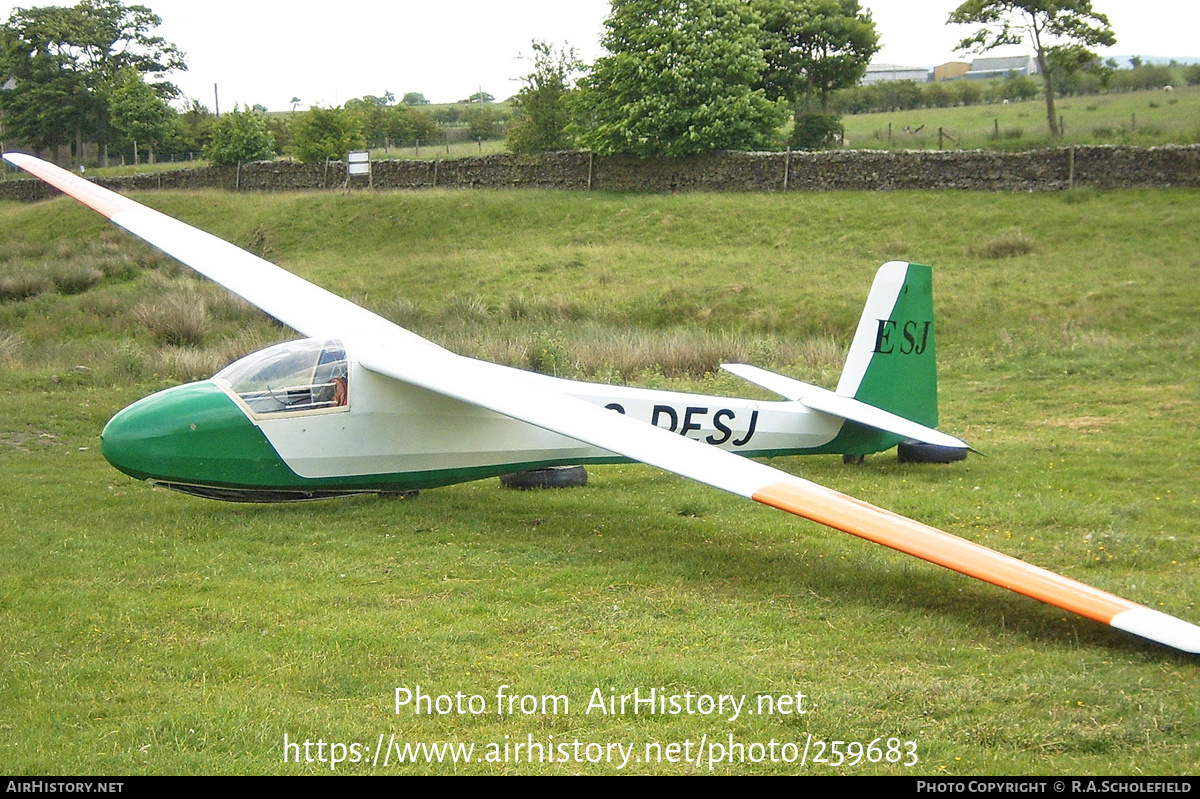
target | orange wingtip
[
  {"x": 95, "y": 197},
  {"x": 859, "y": 518}
]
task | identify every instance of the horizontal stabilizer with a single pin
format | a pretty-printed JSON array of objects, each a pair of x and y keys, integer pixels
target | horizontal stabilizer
[{"x": 826, "y": 401}]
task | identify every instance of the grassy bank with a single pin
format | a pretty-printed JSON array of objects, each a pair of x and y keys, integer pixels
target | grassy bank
[{"x": 146, "y": 631}]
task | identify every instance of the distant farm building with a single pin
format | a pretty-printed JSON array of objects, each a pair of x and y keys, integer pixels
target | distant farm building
[
  {"x": 879, "y": 73},
  {"x": 951, "y": 70},
  {"x": 1002, "y": 67}
]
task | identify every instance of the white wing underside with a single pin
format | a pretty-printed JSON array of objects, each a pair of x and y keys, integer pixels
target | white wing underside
[{"x": 390, "y": 350}]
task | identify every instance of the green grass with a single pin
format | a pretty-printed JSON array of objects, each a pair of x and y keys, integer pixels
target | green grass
[
  {"x": 148, "y": 632},
  {"x": 1143, "y": 118}
]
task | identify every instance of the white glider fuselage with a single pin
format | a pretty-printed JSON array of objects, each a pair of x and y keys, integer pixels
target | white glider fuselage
[{"x": 390, "y": 427}]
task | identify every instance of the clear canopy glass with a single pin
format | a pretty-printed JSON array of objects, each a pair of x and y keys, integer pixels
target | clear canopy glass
[{"x": 305, "y": 375}]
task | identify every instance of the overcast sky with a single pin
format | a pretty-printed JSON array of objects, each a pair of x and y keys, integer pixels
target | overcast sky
[{"x": 328, "y": 52}]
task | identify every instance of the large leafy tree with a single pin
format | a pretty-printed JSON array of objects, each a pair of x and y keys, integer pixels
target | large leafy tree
[
  {"x": 64, "y": 63},
  {"x": 812, "y": 49},
  {"x": 543, "y": 112},
  {"x": 679, "y": 79},
  {"x": 1061, "y": 33}
]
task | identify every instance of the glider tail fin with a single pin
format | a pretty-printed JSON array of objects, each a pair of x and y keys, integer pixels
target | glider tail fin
[{"x": 892, "y": 363}]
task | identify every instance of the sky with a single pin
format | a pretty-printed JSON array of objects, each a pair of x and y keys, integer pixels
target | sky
[{"x": 267, "y": 52}]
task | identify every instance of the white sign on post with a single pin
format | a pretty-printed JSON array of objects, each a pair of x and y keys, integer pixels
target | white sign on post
[{"x": 358, "y": 163}]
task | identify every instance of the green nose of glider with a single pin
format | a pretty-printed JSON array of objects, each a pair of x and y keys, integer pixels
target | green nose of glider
[{"x": 193, "y": 434}]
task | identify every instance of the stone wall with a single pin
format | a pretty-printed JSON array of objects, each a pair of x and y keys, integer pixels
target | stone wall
[{"x": 855, "y": 170}]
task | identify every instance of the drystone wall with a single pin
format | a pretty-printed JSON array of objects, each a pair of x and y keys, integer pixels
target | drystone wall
[{"x": 1109, "y": 167}]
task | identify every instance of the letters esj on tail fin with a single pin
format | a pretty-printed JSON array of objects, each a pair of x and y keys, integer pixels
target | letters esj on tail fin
[{"x": 893, "y": 361}]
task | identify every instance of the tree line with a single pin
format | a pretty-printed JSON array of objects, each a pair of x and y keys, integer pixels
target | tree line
[
  {"x": 96, "y": 73},
  {"x": 679, "y": 77}
]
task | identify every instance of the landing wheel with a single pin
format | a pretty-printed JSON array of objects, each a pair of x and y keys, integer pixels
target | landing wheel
[
  {"x": 550, "y": 477},
  {"x": 853, "y": 460},
  {"x": 920, "y": 452}
]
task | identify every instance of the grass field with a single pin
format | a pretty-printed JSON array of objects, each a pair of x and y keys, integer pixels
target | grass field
[
  {"x": 149, "y": 632},
  {"x": 430, "y": 152},
  {"x": 1145, "y": 118}
]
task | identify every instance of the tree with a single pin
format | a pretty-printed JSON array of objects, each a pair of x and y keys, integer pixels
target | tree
[
  {"x": 812, "y": 49},
  {"x": 414, "y": 98},
  {"x": 1066, "y": 27},
  {"x": 405, "y": 125},
  {"x": 239, "y": 136},
  {"x": 483, "y": 122},
  {"x": 371, "y": 113},
  {"x": 196, "y": 123},
  {"x": 1069, "y": 63},
  {"x": 678, "y": 80},
  {"x": 65, "y": 62},
  {"x": 384, "y": 124},
  {"x": 542, "y": 110},
  {"x": 138, "y": 115},
  {"x": 326, "y": 133}
]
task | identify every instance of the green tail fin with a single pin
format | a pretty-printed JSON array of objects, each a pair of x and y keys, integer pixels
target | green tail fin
[{"x": 893, "y": 360}]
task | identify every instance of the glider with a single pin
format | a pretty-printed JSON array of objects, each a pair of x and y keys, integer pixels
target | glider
[{"x": 363, "y": 405}]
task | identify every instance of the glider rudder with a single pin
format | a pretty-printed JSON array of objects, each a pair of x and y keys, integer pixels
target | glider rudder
[{"x": 893, "y": 360}]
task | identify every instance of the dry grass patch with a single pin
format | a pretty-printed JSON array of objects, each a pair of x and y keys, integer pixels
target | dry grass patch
[
  {"x": 1008, "y": 244},
  {"x": 1082, "y": 424},
  {"x": 176, "y": 320}
]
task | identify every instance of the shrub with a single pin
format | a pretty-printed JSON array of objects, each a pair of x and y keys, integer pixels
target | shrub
[
  {"x": 176, "y": 320},
  {"x": 816, "y": 131},
  {"x": 23, "y": 285},
  {"x": 238, "y": 137},
  {"x": 76, "y": 279},
  {"x": 321, "y": 134}
]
